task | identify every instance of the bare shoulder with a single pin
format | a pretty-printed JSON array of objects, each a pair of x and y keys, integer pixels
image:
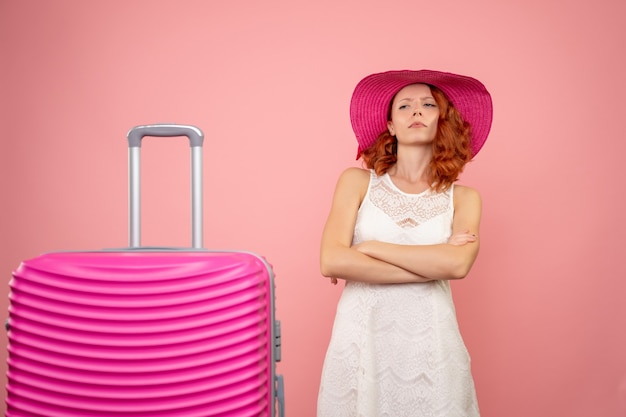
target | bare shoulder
[
  {"x": 466, "y": 195},
  {"x": 356, "y": 174},
  {"x": 352, "y": 184},
  {"x": 355, "y": 178}
]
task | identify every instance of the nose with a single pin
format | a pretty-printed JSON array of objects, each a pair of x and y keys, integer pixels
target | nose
[{"x": 416, "y": 112}]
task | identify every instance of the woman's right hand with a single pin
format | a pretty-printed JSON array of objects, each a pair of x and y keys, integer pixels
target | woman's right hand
[{"x": 461, "y": 238}]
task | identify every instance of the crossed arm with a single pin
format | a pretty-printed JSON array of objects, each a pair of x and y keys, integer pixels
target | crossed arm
[{"x": 380, "y": 262}]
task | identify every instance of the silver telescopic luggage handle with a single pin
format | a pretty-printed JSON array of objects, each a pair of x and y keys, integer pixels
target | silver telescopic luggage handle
[{"x": 196, "y": 138}]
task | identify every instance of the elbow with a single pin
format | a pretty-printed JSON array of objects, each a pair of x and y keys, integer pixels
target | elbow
[
  {"x": 458, "y": 274},
  {"x": 326, "y": 266},
  {"x": 460, "y": 266},
  {"x": 458, "y": 271},
  {"x": 333, "y": 263},
  {"x": 325, "y": 270},
  {"x": 455, "y": 269}
]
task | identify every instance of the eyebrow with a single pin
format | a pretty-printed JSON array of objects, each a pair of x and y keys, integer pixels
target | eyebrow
[{"x": 421, "y": 98}]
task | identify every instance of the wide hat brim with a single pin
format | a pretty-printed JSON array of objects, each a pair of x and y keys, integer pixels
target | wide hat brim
[{"x": 373, "y": 94}]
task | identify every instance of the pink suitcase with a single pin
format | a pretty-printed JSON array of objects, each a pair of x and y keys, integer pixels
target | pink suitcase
[{"x": 145, "y": 331}]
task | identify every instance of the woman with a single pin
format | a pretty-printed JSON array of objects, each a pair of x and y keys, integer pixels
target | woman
[{"x": 397, "y": 233}]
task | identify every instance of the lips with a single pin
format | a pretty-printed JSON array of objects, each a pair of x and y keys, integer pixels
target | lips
[{"x": 417, "y": 124}]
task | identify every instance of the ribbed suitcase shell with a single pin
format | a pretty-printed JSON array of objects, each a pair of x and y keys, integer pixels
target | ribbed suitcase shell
[{"x": 141, "y": 334}]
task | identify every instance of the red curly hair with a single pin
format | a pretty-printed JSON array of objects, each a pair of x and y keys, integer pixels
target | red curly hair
[{"x": 451, "y": 147}]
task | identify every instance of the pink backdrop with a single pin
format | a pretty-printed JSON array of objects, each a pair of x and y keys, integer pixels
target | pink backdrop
[{"x": 543, "y": 311}]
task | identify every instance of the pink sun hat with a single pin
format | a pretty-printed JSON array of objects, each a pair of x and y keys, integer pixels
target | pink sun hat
[{"x": 373, "y": 94}]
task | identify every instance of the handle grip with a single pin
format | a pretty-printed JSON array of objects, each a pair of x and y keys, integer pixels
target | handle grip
[
  {"x": 137, "y": 133},
  {"x": 196, "y": 139}
]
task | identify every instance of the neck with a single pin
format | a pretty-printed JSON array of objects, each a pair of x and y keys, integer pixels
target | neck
[{"x": 412, "y": 165}]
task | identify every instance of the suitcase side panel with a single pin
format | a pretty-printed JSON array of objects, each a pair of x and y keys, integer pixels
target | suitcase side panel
[{"x": 147, "y": 334}]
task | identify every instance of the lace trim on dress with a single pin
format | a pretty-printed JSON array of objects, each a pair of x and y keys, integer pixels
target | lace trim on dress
[{"x": 408, "y": 211}]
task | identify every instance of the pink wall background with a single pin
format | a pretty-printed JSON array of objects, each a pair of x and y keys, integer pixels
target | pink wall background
[{"x": 543, "y": 312}]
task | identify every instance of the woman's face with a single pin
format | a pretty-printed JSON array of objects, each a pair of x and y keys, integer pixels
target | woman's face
[{"x": 414, "y": 115}]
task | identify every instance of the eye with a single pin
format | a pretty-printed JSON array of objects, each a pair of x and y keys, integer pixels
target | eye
[
  {"x": 403, "y": 106},
  {"x": 430, "y": 105}
]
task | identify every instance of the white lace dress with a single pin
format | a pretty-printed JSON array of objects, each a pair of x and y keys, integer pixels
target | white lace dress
[{"x": 395, "y": 349}]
